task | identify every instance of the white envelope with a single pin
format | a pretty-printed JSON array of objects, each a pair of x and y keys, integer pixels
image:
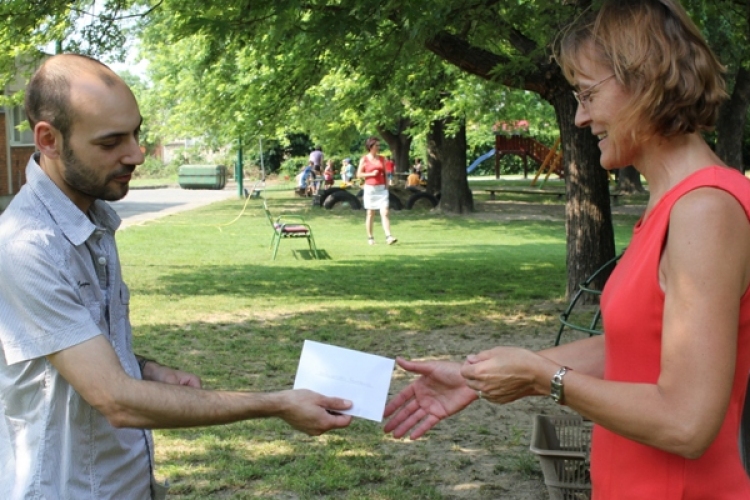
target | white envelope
[{"x": 333, "y": 371}]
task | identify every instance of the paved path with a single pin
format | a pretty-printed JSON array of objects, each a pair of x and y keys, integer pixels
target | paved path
[{"x": 148, "y": 204}]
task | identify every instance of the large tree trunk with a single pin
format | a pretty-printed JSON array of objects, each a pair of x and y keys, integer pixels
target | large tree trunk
[
  {"x": 447, "y": 159},
  {"x": 731, "y": 122},
  {"x": 434, "y": 164},
  {"x": 400, "y": 144},
  {"x": 588, "y": 215},
  {"x": 629, "y": 181},
  {"x": 590, "y": 235}
]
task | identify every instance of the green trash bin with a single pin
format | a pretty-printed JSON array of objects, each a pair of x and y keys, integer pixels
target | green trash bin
[{"x": 202, "y": 176}]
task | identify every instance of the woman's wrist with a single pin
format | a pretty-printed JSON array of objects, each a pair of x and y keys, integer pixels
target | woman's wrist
[{"x": 543, "y": 373}]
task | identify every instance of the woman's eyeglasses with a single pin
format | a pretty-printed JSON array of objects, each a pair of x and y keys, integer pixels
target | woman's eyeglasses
[{"x": 584, "y": 96}]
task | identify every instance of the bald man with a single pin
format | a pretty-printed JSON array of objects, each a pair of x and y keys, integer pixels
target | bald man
[{"x": 76, "y": 402}]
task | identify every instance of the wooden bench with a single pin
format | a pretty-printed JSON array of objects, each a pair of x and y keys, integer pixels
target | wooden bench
[
  {"x": 492, "y": 191},
  {"x": 614, "y": 197}
]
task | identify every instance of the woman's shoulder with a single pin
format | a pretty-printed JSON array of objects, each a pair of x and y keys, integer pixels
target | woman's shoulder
[
  {"x": 712, "y": 202},
  {"x": 714, "y": 185}
]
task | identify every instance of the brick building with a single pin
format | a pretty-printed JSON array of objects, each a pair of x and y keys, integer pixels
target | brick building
[
  {"x": 15, "y": 145},
  {"x": 14, "y": 154}
]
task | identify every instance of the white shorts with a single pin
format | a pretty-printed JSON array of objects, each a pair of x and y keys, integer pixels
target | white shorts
[{"x": 375, "y": 197}]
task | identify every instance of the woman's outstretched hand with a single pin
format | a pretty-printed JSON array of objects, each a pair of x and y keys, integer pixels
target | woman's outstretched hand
[{"x": 438, "y": 393}]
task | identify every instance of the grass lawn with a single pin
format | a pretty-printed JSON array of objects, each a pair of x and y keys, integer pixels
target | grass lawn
[
  {"x": 207, "y": 298},
  {"x": 154, "y": 182}
]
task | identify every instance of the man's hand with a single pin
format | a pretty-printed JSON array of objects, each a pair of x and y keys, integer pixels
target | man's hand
[
  {"x": 440, "y": 392},
  {"x": 313, "y": 413},
  {"x": 155, "y": 372}
]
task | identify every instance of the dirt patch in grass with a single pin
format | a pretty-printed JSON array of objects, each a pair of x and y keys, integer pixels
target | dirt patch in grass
[{"x": 483, "y": 452}]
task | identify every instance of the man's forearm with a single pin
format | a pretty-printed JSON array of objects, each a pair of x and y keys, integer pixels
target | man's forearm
[
  {"x": 148, "y": 404},
  {"x": 94, "y": 370}
]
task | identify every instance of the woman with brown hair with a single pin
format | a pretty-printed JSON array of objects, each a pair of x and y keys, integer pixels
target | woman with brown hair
[
  {"x": 372, "y": 170},
  {"x": 666, "y": 384}
]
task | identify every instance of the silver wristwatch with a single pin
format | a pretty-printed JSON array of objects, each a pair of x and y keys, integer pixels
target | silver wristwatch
[{"x": 557, "y": 388}]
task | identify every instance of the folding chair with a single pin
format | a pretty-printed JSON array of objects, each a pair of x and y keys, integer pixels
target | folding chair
[{"x": 289, "y": 226}]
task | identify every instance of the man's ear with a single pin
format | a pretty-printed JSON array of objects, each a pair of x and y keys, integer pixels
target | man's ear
[{"x": 48, "y": 140}]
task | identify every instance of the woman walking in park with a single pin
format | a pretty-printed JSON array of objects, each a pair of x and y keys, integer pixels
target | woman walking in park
[
  {"x": 372, "y": 170},
  {"x": 666, "y": 384}
]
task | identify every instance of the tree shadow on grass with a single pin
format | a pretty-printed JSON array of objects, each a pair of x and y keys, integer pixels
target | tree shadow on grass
[{"x": 456, "y": 276}]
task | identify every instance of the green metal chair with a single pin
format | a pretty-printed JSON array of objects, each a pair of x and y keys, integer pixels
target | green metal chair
[
  {"x": 583, "y": 289},
  {"x": 289, "y": 226}
]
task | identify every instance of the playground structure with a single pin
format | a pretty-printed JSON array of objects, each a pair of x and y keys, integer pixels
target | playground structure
[{"x": 549, "y": 159}]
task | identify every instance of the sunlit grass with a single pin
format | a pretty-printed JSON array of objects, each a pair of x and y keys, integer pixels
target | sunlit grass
[{"x": 207, "y": 298}]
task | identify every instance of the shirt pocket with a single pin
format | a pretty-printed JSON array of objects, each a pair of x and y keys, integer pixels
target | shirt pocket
[{"x": 91, "y": 300}]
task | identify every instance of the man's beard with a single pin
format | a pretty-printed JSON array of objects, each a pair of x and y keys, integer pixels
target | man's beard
[{"x": 86, "y": 179}]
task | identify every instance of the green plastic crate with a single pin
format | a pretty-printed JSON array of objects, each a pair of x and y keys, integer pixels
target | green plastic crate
[{"x": 202, "y": 176}]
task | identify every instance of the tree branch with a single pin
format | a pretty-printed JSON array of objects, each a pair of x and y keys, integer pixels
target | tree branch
[
  {"x": 483, "y": 63},
  {"x": 118, "y": 9}
]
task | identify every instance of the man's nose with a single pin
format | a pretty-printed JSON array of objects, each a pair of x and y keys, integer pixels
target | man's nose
[{"x": 135, "y": 153}]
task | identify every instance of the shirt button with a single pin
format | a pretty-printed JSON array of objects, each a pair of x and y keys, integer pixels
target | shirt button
[{"x": 102, "y": 261}]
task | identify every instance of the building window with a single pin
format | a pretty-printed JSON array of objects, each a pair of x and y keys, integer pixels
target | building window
[{"x": 20, "y": 137}]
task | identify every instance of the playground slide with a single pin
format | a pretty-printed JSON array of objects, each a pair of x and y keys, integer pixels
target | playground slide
[{"x": 479, "y": 160}]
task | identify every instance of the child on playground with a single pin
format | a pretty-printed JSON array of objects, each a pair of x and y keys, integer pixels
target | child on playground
[
  {"x": 413, "y": 180},
  {"x": 418, "y": 167},
  {"x": 390, "y": 167},
  {"x": 306, "y": 180},
  {"x": 328, "y": 173},
  {"x": 347, "y": 171}
]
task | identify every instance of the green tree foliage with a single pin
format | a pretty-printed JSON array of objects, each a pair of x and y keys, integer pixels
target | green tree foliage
[
  {"x": 335, "y": 69},
  {"x": 25, "y": 27},
  {"x": 29, "y": 29},
  {"x": 726, "y": 25}
]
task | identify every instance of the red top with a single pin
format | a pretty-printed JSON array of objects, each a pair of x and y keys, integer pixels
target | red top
[
  {"x": 376, "y": 165},
  {"x": 632, "y": 309},
  {"x": 389, "y": 166}
]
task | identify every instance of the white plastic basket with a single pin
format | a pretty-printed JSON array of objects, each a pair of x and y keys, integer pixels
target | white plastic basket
[{"x": 562, "y": 443}]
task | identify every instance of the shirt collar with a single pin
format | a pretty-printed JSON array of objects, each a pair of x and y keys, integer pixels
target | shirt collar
[{"x": 74, "y": 224}]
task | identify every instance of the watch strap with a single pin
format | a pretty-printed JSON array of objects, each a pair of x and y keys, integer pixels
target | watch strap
[{"x": 557, "y": 385}]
